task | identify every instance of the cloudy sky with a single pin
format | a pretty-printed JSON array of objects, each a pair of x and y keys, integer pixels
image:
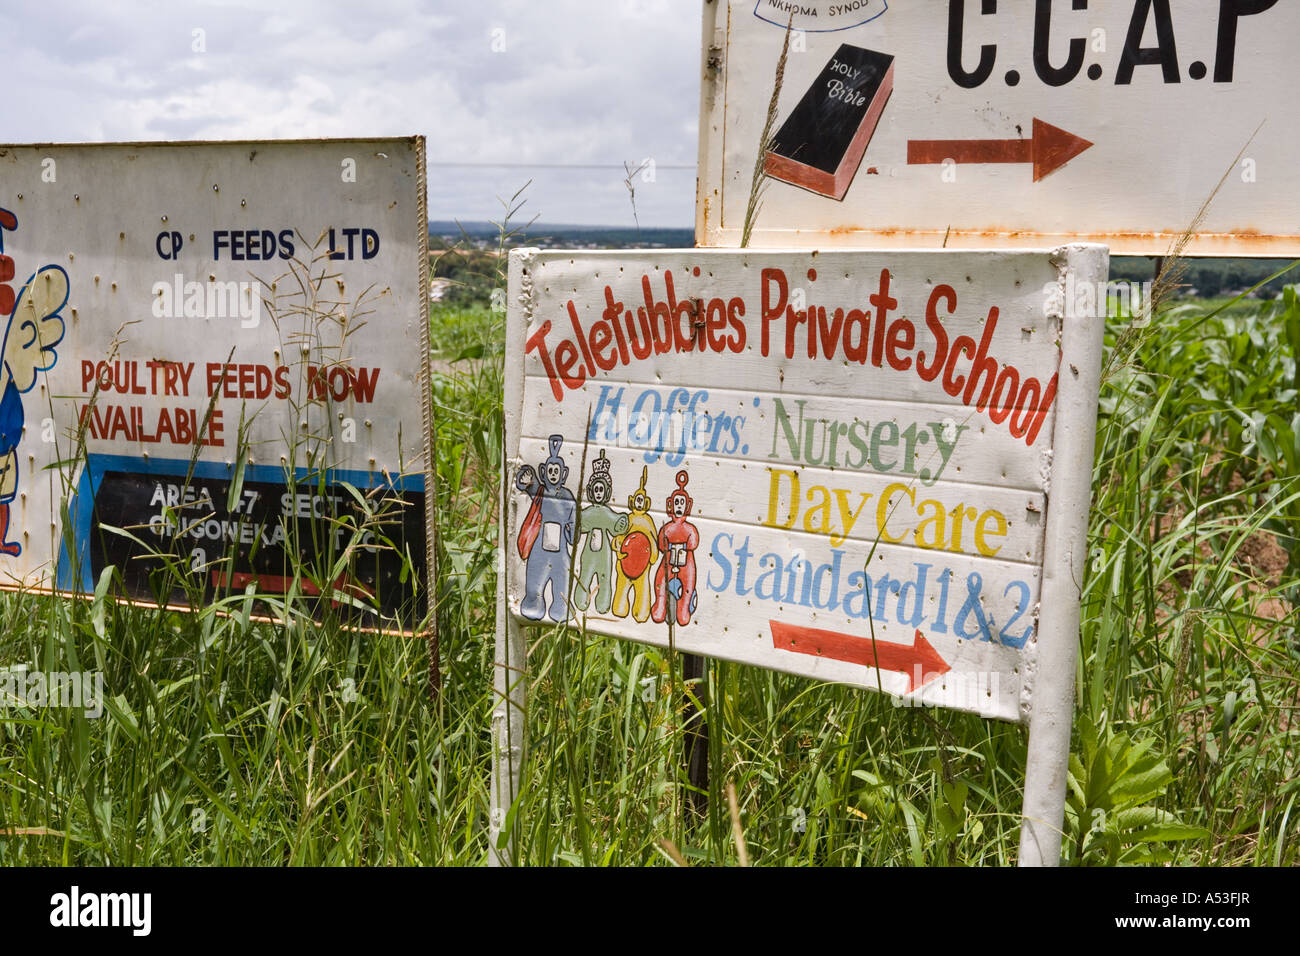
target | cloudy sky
[{"x": 562, "y": 92}]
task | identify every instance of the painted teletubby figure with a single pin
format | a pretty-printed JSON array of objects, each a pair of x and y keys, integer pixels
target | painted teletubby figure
[
  {"x": 550, "y": 516},
  {"x": 34, "y": 328},
  {"x": 599, "y": 523},
  {"x": 636, "y": 553},
  {"x": 678, "y": 539}
]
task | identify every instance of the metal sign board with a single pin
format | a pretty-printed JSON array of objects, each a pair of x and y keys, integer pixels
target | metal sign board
[
  {"x": 978, "y": 124},
  {"x": 213, "y": 369},
  {"x": 863, "y": 467}
]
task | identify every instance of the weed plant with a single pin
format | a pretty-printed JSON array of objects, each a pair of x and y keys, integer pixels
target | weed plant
[{"x": 232, "y": 741}]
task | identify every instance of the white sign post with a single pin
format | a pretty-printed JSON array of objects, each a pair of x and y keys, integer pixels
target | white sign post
[
  {"x": 216, "y": 358},
  {"x": 979, "y": 124},
  {"x": 871, "y": 468}
]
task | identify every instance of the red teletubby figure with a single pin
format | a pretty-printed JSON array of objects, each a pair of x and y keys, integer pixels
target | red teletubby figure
[{"x": 678, "y": 539}]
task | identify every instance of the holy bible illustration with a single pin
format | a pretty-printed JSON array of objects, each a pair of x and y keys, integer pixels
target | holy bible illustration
[{"x": 821, "y": 143}]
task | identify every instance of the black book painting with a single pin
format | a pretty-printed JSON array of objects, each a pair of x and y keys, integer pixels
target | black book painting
[{"x": 820, "y": 144}]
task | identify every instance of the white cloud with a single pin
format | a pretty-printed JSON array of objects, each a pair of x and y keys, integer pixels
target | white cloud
[{"x": 565, "y": 81}]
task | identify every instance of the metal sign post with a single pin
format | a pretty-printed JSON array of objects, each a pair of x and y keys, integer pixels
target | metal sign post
[{"x": 1051, "y": 714}]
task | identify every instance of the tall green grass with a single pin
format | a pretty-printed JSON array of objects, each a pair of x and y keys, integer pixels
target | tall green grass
[{"x": 230, "y": 741}]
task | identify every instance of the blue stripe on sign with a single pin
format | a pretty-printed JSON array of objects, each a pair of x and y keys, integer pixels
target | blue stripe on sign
[{"x": 81, "y": 507}]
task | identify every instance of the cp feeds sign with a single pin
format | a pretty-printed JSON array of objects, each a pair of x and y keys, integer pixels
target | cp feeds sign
[
  {"x": 213, "y": 362},
  {"x": 838, "y": 465}
]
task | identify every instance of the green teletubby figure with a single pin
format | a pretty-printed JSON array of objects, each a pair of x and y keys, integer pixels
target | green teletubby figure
[{"x": 600, "y": 523}]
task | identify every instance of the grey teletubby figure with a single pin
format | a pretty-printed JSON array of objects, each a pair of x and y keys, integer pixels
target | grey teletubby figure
[{"x": 546, "y": 536}]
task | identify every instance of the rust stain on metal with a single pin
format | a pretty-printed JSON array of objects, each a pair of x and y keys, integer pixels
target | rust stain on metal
[
  {"x": 1245, "y": 241},
  {"x": 715, "y": 59}
]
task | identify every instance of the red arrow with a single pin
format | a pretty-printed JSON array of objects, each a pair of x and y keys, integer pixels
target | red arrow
[
  {"x": 278, "y": 584},
  {"x": 1048, "y": 149},
  {"x": 920, "y": 660}
]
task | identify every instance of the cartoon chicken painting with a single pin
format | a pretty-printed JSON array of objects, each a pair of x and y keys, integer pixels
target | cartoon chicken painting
[{"x": 35, "y": 327}]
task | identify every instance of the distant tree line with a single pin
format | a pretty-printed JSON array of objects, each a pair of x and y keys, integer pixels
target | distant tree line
[
  {"x": 1213, "y": 278},
  {"x": 471, "y": 272},
  {"x": 470, "y": 266}
]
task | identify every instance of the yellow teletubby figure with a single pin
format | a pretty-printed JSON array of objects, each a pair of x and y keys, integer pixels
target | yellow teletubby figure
[{"x": 636, "y": 553}]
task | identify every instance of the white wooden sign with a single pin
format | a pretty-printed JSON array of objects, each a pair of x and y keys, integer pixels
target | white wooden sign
[
  {"x": 985, "y": 124},
  {"x": 207, "y": 345},
  {"x": 840, "y": 465}
]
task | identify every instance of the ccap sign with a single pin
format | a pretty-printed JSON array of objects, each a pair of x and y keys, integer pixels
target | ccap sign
[{"x": 979, "y": 124}]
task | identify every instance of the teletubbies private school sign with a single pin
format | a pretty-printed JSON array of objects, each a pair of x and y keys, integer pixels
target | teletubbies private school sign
[
  {"x": 213, "y": 363},
  {"x": 839, "y": 465}
]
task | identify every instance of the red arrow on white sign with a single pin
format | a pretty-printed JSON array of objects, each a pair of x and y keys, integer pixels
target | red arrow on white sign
[
  {"x": 1048, "y": 149},
  {"x": 920, "y": 659}
]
